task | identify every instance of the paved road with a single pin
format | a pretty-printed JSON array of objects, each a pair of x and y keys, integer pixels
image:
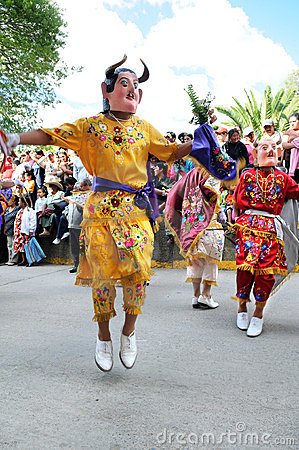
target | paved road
[{"x": 198, "y": 380}]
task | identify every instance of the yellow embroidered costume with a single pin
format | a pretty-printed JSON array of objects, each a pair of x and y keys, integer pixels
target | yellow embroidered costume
[{"x": 116, "y": 238}]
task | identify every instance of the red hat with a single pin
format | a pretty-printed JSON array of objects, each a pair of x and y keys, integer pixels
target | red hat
[{"x": 221, "y": 130}]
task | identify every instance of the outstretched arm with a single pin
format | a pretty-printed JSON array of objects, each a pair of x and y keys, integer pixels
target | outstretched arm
[{"x": 35, "y": 137}]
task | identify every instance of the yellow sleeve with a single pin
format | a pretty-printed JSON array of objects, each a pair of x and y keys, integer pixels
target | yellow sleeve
[
  {"x": 160, "y": 147},
  {"x": 68, "y": 135}
]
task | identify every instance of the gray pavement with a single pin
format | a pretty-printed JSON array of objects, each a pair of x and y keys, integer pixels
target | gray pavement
[{"x": 198, "y": 382}]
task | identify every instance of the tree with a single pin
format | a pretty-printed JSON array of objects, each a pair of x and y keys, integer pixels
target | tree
[
  {"x": 293, "y": 81},
  {"x": 277, "y": 108},
  {"x": 31, "y": 35}
]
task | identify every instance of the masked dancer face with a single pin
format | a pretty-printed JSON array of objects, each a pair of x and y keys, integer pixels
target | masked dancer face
[
  {"x": 126, "y": 95},
  {"x": 267, "y": 154}
]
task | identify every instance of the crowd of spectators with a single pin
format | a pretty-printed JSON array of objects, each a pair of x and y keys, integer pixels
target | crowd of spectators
[
  {"x": 47, "y": 179},
  {"x": 40, "y": 204}
]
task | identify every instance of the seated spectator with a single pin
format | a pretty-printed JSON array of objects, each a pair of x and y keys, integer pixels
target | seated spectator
[
  {"x": 9, "y": 221},
  {"x": 24, "y": 227},
  {"x": 46, "y": 216}
]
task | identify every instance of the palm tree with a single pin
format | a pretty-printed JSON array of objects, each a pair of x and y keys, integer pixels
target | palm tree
[{"x": 277, "y": 108}]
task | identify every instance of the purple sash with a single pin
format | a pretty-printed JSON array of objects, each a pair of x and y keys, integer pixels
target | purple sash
[{"x": 141, "y": 198}]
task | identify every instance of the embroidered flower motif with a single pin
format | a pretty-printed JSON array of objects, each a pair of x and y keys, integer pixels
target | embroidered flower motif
[
  {"x": 102, "y": 137},
  {"x": 129, "y": 243},
  {"x": 140, "y": 135},
  {"x": 117, "y": 129},
  {"x": 115, "y": 202},
  {"x": 248, "y": 244},
  {"x": 103, "y": 126},
  {"x": 117, "y": 139},
  {"x": 131, "y": 141}
]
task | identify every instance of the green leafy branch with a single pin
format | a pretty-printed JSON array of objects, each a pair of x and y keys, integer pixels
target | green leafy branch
[{"x": 200, "y": 107}]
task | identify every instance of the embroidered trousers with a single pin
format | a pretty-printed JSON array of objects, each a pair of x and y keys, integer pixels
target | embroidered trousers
[
  {"x": 104, "y": 298},
  {"x": 262, "y": 286}
]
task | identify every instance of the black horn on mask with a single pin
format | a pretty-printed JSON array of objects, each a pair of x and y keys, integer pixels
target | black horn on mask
[
  {"x": 110, "y": 71},
  {"x": 145, "y": 76}
]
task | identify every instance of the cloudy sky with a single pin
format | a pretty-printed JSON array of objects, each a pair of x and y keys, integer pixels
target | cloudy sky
[{"x": 221, "y": 46}]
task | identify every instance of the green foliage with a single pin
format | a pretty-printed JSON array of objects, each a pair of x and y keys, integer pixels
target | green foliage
[
  {"x": 293, "y": 81},
  {"x": 200, "y": 108},
  {"x": 278, "y": 108},
  {"x": 31, "y": 35}
]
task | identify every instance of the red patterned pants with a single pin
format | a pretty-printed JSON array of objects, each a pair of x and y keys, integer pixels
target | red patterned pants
[{"x": 262, "y": 286}]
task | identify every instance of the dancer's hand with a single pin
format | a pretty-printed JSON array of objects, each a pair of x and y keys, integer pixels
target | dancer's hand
[
  {"x": 12, "y": 140},
  {"x": 213, "y": 117}
]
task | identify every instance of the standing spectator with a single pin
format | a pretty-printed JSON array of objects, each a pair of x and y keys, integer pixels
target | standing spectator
[
  {"x": 9, "y": 220},
  {"x": 235, "y": 148},
  {"x": 25, "y": 226},
  {"x": 271, "y": 133},
  {"x": 65, "y": 169},
  {"x": 79, "y": 171},
  {"x": 170, "y": 136},
  {"x": 74, "y": 217},
  {"x": 38, "y": 207},
  {"x": 188, "y": 137},
  {"x": 38, "y": 171},
  {"x": 181, "y": 137},
  {"x": 162, "y": 183},
  {"x": 291, "y": 143},
  {"x": 47, "y": 163},
  {"x": 239, "y": 130},
  {"x": 248, "y": 140},
  {"x": 30, "y": 186},
  {"x": 221, "y": 134}
]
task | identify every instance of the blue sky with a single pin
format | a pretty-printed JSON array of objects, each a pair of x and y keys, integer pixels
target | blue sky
[{"x": 277, "y": 19}]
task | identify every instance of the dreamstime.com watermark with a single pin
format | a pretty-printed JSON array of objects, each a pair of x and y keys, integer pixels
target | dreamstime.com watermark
[{"x": 240, "y": 436}]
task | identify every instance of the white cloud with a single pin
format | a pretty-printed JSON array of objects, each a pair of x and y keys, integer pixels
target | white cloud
[{"x": 211, "y": 41}]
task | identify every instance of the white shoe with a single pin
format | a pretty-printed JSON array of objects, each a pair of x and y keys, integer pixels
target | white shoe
[
  {"x": 255, "y": 327},
  {"x": 128, "y": 350},
  {"x": 65, "y": 235},
  {"x": 206, "y": 303},
  {"x": 242, "y": 320},
  {"x": 56, "y": 241},
  {"x": 104, "y": 355},
  {"x": 195, "y": 302}
]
